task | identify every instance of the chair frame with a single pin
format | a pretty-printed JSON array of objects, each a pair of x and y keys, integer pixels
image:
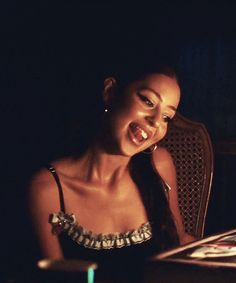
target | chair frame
[{"x": 181, "y": 123}]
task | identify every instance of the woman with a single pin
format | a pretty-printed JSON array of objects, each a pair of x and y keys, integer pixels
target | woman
[{"x": 113, "y": 202}]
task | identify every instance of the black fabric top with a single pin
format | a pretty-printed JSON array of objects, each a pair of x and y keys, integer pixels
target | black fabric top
[{"x": 132, "y": 249}]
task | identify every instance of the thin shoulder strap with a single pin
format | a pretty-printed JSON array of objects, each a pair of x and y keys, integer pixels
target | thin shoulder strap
[
  {"x": 56, "y": 177},
  {"x": 167, "y": 189}
]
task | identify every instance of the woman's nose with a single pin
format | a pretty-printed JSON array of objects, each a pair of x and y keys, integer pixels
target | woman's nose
[{"x": 154, "y": 120}]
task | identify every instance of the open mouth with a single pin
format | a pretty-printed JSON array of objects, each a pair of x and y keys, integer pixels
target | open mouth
[{"x": 138, "y": 135}]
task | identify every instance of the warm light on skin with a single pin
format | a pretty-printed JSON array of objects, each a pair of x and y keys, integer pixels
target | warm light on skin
[
  {"x": 158, "y": 95},
  {"x": 147, "y": 103}
]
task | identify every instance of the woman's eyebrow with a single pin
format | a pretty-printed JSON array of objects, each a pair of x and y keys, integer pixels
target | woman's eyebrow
[{"x": 159, "y": 96}]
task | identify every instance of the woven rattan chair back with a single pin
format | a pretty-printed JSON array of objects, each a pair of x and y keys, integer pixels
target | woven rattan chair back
[{"x": 191, "y": 148}]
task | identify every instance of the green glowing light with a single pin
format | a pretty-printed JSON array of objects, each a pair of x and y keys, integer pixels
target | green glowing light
[{"x": 90, "y": 274}]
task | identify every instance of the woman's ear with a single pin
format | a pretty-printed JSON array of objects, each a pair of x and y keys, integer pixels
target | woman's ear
[{"x": 109, "y": 89}]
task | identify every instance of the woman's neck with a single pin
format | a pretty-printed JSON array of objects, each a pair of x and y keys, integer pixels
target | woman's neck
[{"x": 102, "y": 167}]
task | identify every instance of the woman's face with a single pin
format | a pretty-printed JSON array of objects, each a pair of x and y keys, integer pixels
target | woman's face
[{"x": 139, "y": 117}]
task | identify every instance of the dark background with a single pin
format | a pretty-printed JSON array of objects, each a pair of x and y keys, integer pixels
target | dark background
[{"x": 50, "y": 51}]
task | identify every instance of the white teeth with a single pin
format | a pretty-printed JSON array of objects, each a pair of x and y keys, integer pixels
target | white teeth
[
  {"x": 139, "y": 133},
  {"x": 144, "y": 135}
]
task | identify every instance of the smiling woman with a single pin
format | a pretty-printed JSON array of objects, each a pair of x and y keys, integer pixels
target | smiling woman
[
  {"x": 139, "y": 118},
  {"x": 107, "y": 202}
]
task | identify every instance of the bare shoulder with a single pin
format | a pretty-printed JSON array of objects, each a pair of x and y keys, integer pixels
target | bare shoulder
[
  {"x": 162, "y": 159},
  {"x": 43, "y": 191},
  {"x": 163, "y": 163},
  {"x": 41, "y": 179},
  {"x": 43, "y": 201},
  {"x": 44, "y": 177}
]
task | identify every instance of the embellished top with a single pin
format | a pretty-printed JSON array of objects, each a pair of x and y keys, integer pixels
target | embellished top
[
  {"x": 64, "y": 222},
  {"x": 77, "y": 242}
]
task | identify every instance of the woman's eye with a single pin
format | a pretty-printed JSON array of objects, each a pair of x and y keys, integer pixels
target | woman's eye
[{"x": 147, "y": 101}]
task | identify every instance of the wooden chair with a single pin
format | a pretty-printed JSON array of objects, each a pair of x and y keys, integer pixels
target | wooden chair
[{"x": 191, "y": 148}]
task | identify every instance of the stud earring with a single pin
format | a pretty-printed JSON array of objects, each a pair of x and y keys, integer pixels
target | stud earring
[
  {"x": 150, "y": 150},
  {"x": 105, "y": 110}
]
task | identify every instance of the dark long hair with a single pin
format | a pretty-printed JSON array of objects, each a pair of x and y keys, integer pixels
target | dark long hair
[
  {"x": 147, "y": 179},
  {"x": 152, "y": 190}
]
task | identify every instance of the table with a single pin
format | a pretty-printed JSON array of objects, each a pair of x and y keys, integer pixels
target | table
[{"x": 176, "y": 265}]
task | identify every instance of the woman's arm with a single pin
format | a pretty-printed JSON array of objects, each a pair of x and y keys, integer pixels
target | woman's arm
[
  {"x": 164, "y": 164},
  {"x": 44, "y": 200}
]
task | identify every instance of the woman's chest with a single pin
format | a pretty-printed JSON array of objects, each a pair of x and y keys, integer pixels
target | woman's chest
[{"x": 105, "y": 211}]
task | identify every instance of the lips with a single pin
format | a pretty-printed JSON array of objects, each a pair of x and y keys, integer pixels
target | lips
[{"x": 138, "y": 134}]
